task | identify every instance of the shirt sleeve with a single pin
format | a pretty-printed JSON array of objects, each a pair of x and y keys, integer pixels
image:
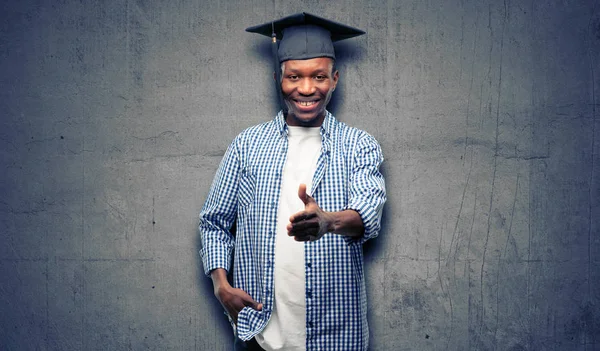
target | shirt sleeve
[
  {"x": 367, "y": 186},
  {"x": 218, "y": 214}
]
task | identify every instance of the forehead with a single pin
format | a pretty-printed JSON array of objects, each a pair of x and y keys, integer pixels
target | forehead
[{"x": 314, "y": 64}]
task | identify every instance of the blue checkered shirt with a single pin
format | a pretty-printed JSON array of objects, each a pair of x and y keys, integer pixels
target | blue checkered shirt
[{"x": 246, "y": 191}]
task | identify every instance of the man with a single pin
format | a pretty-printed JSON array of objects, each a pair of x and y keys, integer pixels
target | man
[{"x": 305, "y": 192}]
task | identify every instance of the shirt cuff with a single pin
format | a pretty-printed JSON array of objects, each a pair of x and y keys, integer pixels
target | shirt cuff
[
  {"x": 371, "y": 218},
  {"x": 215, "y": 256}
]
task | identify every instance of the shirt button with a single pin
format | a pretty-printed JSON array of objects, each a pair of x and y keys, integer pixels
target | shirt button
[
  {"x": 309, "y": 324},
  {"x": 308, "y": 264}
]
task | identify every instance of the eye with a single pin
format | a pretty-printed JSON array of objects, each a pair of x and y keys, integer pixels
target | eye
[
  {"x": 293, "y": 77},
  {"x": 320, "y": 77}
]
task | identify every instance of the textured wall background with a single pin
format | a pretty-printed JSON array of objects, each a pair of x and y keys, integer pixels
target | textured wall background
[{"x": 115, "y": 115}]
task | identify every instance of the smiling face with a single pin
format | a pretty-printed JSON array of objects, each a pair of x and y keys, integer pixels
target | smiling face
[{"x": 307, "y": 86}]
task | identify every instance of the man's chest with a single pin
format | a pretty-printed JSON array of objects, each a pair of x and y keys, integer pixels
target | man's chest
[{"x": 263, "y": 170}]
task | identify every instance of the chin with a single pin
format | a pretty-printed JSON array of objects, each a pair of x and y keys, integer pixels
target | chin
[{"x": 304, "y": 119}]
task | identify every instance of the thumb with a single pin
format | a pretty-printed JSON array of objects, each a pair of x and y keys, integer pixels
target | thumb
[
  {"x": 249, "y": 301},
  {"x": 302, "y": 194},
  {"x": 253, "y": 304}
]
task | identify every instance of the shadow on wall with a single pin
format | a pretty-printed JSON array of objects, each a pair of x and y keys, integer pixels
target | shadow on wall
[{"x": 205, "y": 287}]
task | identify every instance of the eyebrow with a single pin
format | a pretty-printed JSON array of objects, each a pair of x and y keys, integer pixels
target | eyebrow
[{"x": 316, "y": 71}]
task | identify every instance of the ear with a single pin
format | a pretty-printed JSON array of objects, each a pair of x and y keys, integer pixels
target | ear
[{"x": 336, "y": 77}]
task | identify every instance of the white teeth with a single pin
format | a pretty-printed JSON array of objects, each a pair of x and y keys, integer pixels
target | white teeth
[{"x": 306, "y": 103}]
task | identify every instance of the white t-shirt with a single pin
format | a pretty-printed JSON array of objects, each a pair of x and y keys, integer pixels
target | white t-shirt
[{"x": 286, "y": 330}]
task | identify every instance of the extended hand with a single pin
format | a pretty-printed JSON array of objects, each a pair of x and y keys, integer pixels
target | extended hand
[
  {"x": 234, "y": 300},
  {"x": 310, "y": 224}
]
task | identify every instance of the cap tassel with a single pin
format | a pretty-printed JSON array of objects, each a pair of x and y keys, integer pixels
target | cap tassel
[{"x": 277, "y": 68}]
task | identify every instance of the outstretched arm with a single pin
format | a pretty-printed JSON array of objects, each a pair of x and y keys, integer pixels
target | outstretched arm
[{"x": 362, "y": 218}]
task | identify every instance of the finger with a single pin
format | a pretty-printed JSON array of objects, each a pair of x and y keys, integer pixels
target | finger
[
  {"x": 233, "y": 312},
  {"x": 253, "y": 304},
  {"x": 303, "y": 238},
  {"x": 310, "y": 224},
  {"x": 301, "y": 216},
  {"x": 302, "y": 193},
  {"x": 245, "y": 300},
  {"x": 302, "y": 234},
  {"x": 234, "y": 307}
]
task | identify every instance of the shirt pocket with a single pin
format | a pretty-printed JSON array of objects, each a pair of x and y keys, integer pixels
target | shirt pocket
[{"x": 246, "y": 188}]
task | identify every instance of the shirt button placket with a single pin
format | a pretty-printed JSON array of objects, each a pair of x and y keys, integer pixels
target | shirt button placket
[{"x": 309, "y": 300}]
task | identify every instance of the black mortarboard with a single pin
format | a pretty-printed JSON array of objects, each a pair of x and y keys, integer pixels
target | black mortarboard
[
  {"x": 304, "y": 36},
  {"x": 301, "y": 37}
]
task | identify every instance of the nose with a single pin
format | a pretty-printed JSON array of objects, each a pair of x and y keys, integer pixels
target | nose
[{"x": 306, "y": 86}]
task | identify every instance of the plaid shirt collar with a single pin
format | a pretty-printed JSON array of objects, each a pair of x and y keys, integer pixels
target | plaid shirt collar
[{"x": 326, "y": 127}]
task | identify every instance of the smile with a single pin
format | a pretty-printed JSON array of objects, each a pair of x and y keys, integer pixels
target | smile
[{"x": 306, "y": 103}]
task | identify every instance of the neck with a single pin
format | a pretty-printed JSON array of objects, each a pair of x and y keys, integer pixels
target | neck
[{"x": 297, "y": 122}]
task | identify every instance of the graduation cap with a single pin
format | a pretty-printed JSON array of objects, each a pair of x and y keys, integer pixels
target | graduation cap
[
  {"x": 304, "y": 36},
  {"x": 301, "y": 37}
]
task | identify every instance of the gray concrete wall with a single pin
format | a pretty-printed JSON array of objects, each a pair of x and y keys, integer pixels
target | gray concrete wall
[{"x": 115, "y": 115}]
